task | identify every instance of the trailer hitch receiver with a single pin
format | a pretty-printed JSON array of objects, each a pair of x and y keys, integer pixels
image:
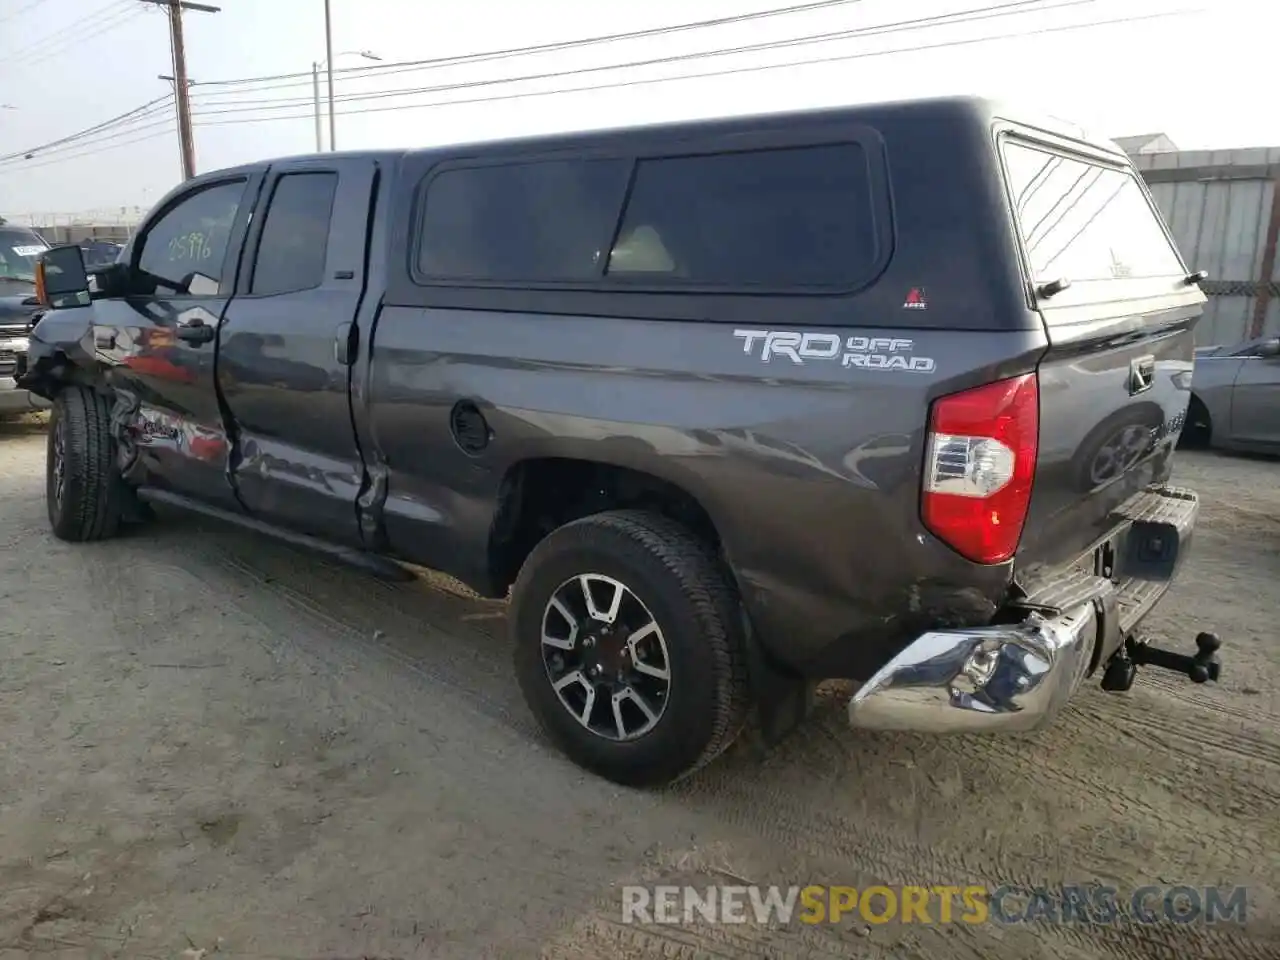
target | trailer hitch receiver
[{"x": 1199, "y": 667}]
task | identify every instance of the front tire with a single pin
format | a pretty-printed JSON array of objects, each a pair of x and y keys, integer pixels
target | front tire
[
  {"x": 1197, "y": 430},
  {"x": 82, "y": 490},
  {"x": 629, "y": 647}
]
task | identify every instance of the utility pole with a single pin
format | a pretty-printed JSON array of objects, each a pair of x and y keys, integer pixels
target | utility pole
[
  {"x": 315, "y": 98},
  {"x": 328, "y": 47},
  {"x": 315, "y": 91},
  {"x": 181, "y": 91}
]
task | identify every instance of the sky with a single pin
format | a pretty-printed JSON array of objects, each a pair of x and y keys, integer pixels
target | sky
[{"x": 1198, "y": 75}]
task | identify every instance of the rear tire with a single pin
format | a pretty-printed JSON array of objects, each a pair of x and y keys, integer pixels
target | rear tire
[
  {"x": 82, "y": 488},
  {"x": 667, "y": 576}
]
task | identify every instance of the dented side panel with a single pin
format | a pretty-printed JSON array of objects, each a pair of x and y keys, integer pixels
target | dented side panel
[
  {"x": 168, "y": 419},
  {"x": 156, "y": 349},
  {"x": 284, "y": 366},
  {"x": 807, "y": 462},
  {"x": 165, "y": 414}
]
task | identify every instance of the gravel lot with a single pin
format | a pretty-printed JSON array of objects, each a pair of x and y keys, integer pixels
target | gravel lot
[{"x": 215, "y": 743}]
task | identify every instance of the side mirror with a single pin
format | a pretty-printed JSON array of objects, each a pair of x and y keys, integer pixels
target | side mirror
[
  {"x": 61, "y": 279},
  {"x": 1269, "y": 348},
  {"x": 112, "y": 280}
]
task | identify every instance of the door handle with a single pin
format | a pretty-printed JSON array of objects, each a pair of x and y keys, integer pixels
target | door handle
[
  {"x": 1142, "y": 372},
  {"x": 196, "y": 333}
]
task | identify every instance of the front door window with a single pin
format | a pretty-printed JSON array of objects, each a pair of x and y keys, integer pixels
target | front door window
[{"x": 184, "y": 252}]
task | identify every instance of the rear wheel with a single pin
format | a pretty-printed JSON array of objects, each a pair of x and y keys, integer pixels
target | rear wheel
[
  {"x": 82, "y": 490},
  {"x": 629, "y": 647}
]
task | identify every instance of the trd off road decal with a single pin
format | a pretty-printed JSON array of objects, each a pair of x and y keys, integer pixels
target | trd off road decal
[{"x": 863, "y": 353}]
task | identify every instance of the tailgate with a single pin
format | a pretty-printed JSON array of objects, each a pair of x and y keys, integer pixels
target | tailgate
[{"x": 1115, "y": 380}]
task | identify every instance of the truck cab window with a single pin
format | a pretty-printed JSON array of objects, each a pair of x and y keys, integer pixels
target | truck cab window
[
  {"x": 183, "y": 252},
  {"x": 295, "y": 235}
]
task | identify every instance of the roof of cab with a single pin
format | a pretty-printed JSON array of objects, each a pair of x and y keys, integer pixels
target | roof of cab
[
  {"x": 978, "y": 110},
  {"x": 383, "y": 154}
]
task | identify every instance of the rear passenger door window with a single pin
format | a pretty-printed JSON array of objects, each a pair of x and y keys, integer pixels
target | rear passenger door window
[
  {"x": 544, "y": 221},
  {"x": 295, "y": 234},
  {"x": 774, "y": 219}
]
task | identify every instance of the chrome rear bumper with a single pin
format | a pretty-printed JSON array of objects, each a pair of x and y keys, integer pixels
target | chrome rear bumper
[
  {"x": 997, "y": 679},
  {"x": 1016, "y": 677}
]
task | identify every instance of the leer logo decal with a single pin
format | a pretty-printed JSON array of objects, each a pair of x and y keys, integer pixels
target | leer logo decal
[{"x": 864, "y": 353}]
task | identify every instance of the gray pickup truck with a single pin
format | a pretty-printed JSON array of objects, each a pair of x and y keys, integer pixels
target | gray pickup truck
[
  {"x": 887, "y": 392},
  {"x": 20, "y": 248}
]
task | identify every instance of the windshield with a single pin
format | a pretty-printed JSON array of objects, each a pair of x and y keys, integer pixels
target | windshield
[{"x": 19, "y": 250}]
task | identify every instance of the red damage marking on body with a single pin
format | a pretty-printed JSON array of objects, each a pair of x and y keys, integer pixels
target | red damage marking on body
[{"x": 208, "y": 446}]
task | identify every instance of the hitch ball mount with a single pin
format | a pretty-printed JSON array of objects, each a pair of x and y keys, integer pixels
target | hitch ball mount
[{"x": 1199, "y": 667}]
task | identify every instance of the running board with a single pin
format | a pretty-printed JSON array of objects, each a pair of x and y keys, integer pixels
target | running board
[{"x": 370, "y": 562}]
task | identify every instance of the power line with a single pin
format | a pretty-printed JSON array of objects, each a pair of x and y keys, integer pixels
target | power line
[
  {"x": 129, "y": 116},
  {"x": 136, "y": 120},
  {"x": 484, "y": 56},
  {"x": 732, "y": 71},
  {"x": 157, "y": 118},
  {"x": 102, "y": 19},
  {"x": 1012, "y": 8},
  {"x": 170, "y": 129},
  {"x": 826, "y": 3},
  {"x": 475, "y": 57},
  {"x": 151, "y": 106},
  {"x": 21, "y": 10},
  {"x": 75, "y": 43},
  {"x": 130, "y": 121}
]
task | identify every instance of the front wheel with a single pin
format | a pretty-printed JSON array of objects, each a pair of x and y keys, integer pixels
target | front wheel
[
  {"x": 629, "y": 647},
  {"x": 1198, "y": 428},
  {"x": 82, "y": 489}
]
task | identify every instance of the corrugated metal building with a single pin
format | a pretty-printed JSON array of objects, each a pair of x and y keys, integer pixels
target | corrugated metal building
[
  {"x": 1147, "y": 143},
  {"x": 1224, "y": 210}
]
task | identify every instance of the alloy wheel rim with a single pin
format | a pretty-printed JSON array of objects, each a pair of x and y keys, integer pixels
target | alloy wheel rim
[
  {"x": 606, "y": 657},
  {"x": 1120, "y": 453}
]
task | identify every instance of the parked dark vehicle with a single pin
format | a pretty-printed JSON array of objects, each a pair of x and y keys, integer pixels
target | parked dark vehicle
[
  {"x": 20, "y": 248},
  {"x": 887, "y": 392},
  {"x": 100, "y": 253}
]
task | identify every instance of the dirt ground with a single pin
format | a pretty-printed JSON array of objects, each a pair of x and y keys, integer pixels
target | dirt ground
[{"x": 213, "y": 745}]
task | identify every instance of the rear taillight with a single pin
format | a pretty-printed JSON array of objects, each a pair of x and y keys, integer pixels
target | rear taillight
[{"x": 979, "y": 466}]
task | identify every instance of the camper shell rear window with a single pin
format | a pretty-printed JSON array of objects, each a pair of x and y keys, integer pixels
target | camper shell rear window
[{"x": 1085, "y": 221}]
